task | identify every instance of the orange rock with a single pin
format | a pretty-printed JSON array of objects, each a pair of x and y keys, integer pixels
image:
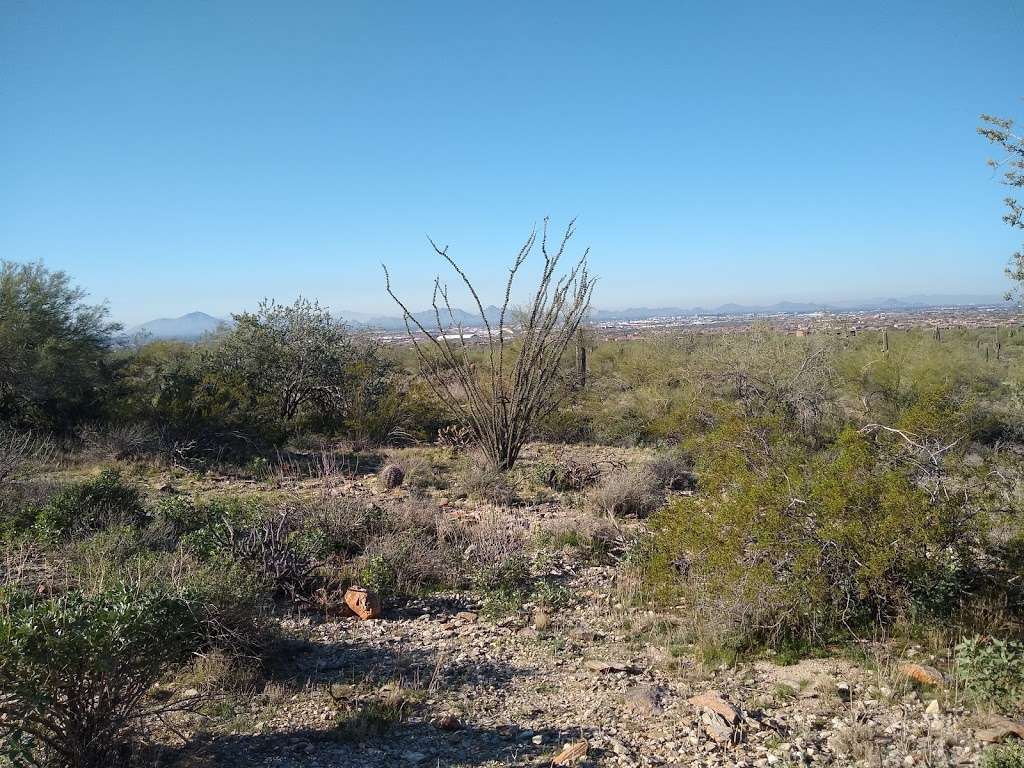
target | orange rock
[
  {"x": 713, "y": 701},
  {"x": 571, "y": 753},
  {"x": 923, "y": 674},
  {"x": 363, "y": 603}
]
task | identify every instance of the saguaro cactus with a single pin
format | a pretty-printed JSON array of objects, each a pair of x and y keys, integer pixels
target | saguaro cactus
[{"x": 581, "y": 359}]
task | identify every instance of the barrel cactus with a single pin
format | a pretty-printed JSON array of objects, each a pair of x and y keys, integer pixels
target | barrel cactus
[{"x": 391, "y": 476}]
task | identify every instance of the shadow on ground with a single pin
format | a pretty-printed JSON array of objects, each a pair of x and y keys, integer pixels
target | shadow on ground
[{"x": 303, "y": 666}]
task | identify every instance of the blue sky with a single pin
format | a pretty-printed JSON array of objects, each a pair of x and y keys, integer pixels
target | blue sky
[{"x": 196, "y": 155}]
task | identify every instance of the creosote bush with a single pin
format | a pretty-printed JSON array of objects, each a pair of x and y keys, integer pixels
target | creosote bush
[{"x": 786, "y": 544}]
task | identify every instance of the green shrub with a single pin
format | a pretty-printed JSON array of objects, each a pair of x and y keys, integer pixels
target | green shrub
[
  {"x": 19, "y": 507},
  {"x": 504, "y": 584},
  {"x": 1003, "y": 756},
  {"x": 75, "y": 670},
  {"x": 787, "y": 544},
  {"x": 379, "y": 574},
  {"x": 992, "y": 671},
  {"x": 91, "y": 505}
]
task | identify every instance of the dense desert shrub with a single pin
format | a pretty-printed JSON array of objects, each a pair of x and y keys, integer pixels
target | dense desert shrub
[
  {"x": 74, "y": 671},
  {"x": 567, "y": 474},
  {"x": 230, "y": 598},
  {"x": 1009, "y": 755},
  {"x": 480, "y": 480},
  {"x": 673, "y": 470},
  {"x": 91, "y": 505},
  {"x": 232, "y": 601},
  {"x": 595, "y": 539},
  {"x": 118, "y": 442},
  {"x": 426, "y": 468},
  {"x": 410, "y": 548},
  {"x": 787, "y": 544},
  {"x": 17, "y": 451},
  {"x": 55, "y": 371}
]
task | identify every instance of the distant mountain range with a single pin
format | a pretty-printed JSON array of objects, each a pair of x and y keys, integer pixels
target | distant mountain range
[
  {"x": 188, "y": 327},
  {"x": 194, "y": 325}
]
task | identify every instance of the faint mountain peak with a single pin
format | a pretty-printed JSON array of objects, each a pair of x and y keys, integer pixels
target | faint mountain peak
[{"x": 188, "y": 327}]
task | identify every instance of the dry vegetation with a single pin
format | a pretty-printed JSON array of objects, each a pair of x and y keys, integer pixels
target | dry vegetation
[{"x": 790, "y": 522}]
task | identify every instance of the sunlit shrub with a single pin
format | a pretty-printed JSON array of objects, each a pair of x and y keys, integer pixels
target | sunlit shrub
[
  {"x": 787, "y": 544},
  {"x": 75, "y": 671}
]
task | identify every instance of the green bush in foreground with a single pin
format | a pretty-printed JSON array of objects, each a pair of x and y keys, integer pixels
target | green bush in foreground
[
  {"x": 1003, "y": 756},
  {"x": 992, "y": 671},
  {"x": 74, "y": 671},
  {"x": 91, "y": 505},
  {"x": 790, "y": 544}
]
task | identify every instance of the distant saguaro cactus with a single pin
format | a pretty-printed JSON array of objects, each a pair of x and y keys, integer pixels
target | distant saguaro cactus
[
  {"x": 885, "y": 340},
  {"x": 581, "y": 359}
]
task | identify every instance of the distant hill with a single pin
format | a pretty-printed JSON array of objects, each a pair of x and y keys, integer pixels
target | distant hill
[
  {"x": 426, "y": 317},
  {"x": 188, "y": 327}
]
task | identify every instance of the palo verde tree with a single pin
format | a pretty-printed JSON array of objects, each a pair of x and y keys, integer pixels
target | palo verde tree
[
  {"x": 500, "y": 388},
  {"x": 286, "y": 363},
  {"x": 54, "y": 349},
  {"x": 1000, "y": 131}
]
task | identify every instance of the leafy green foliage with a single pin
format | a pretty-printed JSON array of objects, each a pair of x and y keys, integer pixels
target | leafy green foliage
[
  {"x": 505, "y": 584},
  {"x": 91, "y": 505},
  {"x": 53, "y": 349},
  {"x": 1002, "y": 133},
  {"x": 786, "y": 543},
  {"x": 1003, "y": 756},
  {"x": 992, "y": 671},
  {"x": 75, "y": 670}
]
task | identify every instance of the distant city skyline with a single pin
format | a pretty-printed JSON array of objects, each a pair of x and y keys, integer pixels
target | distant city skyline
[{"x": 195, "y": 156}]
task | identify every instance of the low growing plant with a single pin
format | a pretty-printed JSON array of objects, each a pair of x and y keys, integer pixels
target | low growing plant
[
  {"x": 992, "y": 671},
  {"x": 74, "y": 671},
  {"x": 91, "y": 505}
]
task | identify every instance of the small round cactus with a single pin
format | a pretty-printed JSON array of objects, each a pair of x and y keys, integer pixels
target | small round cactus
[{"x": 391, "y": 476}]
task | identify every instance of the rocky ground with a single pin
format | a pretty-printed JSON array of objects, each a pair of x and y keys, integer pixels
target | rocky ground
[
  {"x": 440, "y": 681},
  {"x": 457, "y": 689}
]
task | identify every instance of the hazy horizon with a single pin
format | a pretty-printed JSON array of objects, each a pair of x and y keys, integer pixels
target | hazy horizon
[{"x": 200, "y": 157}]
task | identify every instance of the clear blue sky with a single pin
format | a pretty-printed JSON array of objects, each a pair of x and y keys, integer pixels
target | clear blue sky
[{"x": 201, "y": 155}]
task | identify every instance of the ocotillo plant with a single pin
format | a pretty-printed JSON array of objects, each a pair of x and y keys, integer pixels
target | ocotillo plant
[{"x": 497, "y": 389}]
